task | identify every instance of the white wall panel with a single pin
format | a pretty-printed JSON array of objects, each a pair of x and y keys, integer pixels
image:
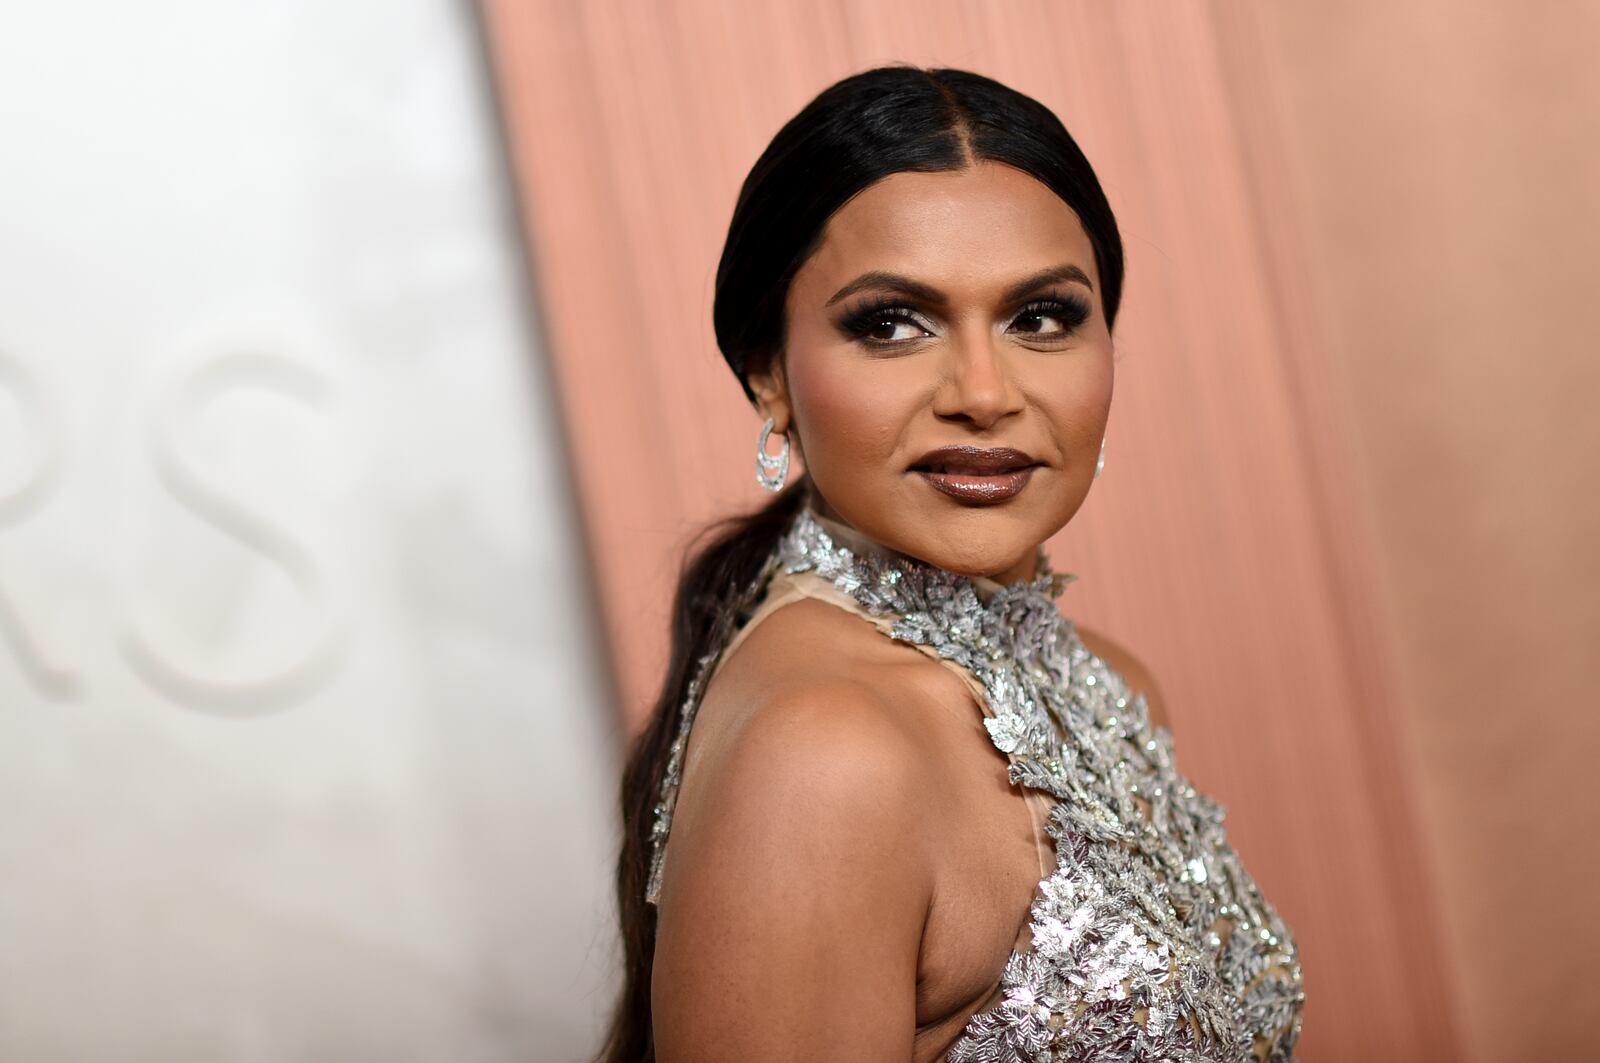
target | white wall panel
[{"x": 305, "y": 742}]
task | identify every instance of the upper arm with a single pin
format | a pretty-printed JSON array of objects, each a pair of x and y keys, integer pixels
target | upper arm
[
  {"x": 1133, "y": 670},
  {"x": 793, "y": 903}
]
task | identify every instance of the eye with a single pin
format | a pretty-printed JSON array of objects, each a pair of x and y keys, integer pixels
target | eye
[
  {"x": 1056, "y": 314},
  {"x": 884, "y": 322}
]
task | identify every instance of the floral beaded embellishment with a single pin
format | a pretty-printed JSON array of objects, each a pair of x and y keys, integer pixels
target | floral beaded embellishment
[
  {"x": 1149, "y": 940},
  {"x": 1126, "y": 962}
]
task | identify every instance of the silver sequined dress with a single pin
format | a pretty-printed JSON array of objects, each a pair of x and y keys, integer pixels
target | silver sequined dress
[{"x": 1149, "y": 940}]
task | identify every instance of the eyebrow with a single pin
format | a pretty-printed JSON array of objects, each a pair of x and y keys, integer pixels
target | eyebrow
[{"x": 927, "y": 293}]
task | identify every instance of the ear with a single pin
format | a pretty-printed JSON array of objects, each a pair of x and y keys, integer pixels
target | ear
[{"x": 772, "y": 395}]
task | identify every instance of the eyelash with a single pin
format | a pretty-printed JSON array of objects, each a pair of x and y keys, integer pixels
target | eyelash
[{"x": 1070, "y": 309}]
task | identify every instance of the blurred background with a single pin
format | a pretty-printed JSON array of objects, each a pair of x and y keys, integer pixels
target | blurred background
[{"x": 358, "y": 398}]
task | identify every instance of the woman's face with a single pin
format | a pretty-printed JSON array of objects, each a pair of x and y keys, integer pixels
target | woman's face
[{"x": 958, "y": 308}]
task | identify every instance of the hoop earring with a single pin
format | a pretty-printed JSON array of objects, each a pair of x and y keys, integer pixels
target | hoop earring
[
  {"x": 771, "y": 469},
  {"x": 1100, "y": 462}
]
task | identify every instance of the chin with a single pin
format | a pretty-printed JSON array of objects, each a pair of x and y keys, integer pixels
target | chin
[
  {"x": 995, "y": 571},
  {"x": 976, "y": 544},
  {"x": 990, "y": 559},
  {"x": 976, "y": 540}
]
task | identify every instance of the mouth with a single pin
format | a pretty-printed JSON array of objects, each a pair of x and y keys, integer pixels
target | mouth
[{"x": 976, "y": 474}]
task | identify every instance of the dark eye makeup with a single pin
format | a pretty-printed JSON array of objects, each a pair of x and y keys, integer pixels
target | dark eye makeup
[
  {"x": 878, "y": 314},
  {"x": 1068, "y": 308},
  {"x": 885, "y": 313}
]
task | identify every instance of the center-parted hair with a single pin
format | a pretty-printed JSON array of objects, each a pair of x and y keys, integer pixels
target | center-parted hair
[
  {"x": 883, "y": 121},
  {"x": 858, "y": 131}
]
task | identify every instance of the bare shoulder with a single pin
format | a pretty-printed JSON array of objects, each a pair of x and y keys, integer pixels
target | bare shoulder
[
  {"x": 797, "y": 884},
  {"x": 808, "y": 738},
  {"x": 804, "y": 713},
  {"x": 1130, "y": 667},
  {"x": 835, "y": 732}
]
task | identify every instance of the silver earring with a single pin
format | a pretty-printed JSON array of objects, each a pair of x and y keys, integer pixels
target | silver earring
[
  {"x": 771, "y": 469},
  {"x": 1100, "y": 462}
]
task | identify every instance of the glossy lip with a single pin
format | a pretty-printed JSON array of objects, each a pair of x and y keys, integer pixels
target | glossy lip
[{"x": 976, "y": 474}]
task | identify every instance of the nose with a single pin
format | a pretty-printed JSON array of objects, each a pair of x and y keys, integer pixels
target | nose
[{"x": 978, "y": 385}]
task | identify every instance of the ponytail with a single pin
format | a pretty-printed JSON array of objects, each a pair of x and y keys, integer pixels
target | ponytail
[{"x": 713, "y": 599}]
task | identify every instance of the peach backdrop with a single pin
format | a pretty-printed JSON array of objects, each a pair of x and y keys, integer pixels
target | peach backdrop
[
  {"x": 1452, "y": 187},
  {"x": 1230, "y": 541}
]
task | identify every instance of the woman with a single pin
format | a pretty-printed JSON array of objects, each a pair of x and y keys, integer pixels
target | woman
[{"x": 924, "y": 816}]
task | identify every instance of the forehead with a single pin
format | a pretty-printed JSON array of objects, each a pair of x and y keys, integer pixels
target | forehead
[{"x": 982, "y": 225}]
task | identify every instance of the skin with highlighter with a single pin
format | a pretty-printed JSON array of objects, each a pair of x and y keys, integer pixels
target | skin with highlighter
[{"x": 946, "y": 378}]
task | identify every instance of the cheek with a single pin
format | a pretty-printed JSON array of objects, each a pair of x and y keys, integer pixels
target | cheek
[
  {"x": 1075, "y": 397},
  {"x": 843, "y": 416}
]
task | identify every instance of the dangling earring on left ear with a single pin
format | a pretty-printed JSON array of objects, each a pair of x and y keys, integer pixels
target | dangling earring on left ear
[
  {"x": 1100, "y": 462},
  {"x": 771, "y": 469}
]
